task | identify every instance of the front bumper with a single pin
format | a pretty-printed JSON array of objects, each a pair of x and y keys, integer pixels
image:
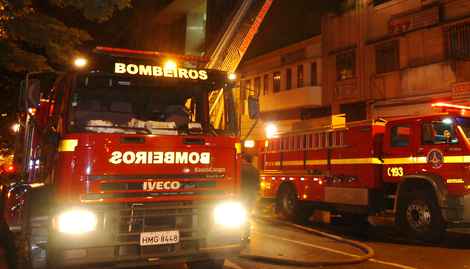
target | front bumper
[{"x": 117, "y": 239}]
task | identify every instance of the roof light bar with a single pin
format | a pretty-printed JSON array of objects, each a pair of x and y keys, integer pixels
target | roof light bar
[{"x": 121, "y": 51}]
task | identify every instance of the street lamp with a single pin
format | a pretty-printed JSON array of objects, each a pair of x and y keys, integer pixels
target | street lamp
[
  {"x": 271, "y": 130},
  {"x": 232, "y": 76},
  {"x": 80, "y": 62}
]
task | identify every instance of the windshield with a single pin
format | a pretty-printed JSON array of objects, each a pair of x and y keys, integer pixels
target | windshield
[
  {"x": 464, "y": 123},
  {"x": 124, "y": 107}
]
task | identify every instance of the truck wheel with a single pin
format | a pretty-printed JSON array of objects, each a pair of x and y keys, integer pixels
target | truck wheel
[
  {"x": 31, "y": 242},
  {"x": 288, "y": 207},
  {"x": 420, "y": 218},
  {"x": 208, "y": 264}
]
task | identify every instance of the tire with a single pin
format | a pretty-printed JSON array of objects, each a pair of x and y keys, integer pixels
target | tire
[
  {"x": 419, "y": 217},
  {"x": 30, "y": 244},
  {"x": 288, "y": 206},
  {"x": 207, "y": 264}
]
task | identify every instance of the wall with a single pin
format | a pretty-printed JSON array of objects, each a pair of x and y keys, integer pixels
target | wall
[{"x": 424, "y": 69}]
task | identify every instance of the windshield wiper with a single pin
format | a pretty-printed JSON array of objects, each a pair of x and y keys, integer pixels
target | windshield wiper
[{"x": 123, "y": 128}]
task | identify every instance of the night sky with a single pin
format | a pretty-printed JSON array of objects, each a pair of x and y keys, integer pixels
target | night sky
[{"x": 287, "y": 22}]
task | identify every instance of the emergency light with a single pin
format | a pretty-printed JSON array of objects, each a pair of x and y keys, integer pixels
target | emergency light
[
  {"x": 446, "y": 107},
  {"x": 154, "y": 54}
]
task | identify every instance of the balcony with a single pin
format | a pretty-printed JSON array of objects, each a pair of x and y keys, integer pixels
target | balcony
[{"x": 299, "y": 97}]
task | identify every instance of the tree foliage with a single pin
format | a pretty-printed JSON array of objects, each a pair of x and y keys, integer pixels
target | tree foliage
[{"x": 31, "y": 40}]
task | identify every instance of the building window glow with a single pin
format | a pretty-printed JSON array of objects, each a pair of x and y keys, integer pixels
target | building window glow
[
  {"x": 300, "y": 76},
  {"x": 346, "y": 65},
  {"x": 276, "y": 81}
]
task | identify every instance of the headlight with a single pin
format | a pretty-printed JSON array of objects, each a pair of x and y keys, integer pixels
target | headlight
[
  {"x": 76, "y": 222},
  {"x": 230, "y": 214}
]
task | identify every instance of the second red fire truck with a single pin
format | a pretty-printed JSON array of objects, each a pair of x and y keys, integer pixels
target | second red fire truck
[{"x": 415, "y": 170}]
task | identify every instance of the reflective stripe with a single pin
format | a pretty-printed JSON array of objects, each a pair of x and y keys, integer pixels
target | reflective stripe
[
  {"x": 386, "y": 161},
  {"x": 457, "y": 159},
  {"x": 67, "y": 145},
  {"x": 356, "y": 161},
  {"x": 405, "y": 160}
]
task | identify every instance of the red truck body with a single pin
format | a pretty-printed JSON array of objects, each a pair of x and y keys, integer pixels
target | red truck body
[
  {"x": 375, "y": 167},
  {"x": 132, "y": 147}
]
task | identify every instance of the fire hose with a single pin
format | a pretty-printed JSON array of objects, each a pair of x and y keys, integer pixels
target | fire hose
[{"x": 368, "y": 251}]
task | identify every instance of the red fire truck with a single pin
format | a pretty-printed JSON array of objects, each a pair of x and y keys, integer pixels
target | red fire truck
[
  {"x": 122, "y": 163},
  {"x": 415, "y": 170}
]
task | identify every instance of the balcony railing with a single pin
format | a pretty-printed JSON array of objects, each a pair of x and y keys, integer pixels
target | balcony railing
[{"x": 295, "y": 98}]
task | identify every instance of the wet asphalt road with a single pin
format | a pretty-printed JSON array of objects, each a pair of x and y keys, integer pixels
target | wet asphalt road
[{"x": 392, "y": 250}]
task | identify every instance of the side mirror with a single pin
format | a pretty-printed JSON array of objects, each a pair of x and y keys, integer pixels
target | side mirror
[
  {"x": 253, "y": 107},
  {"x": 33, "y": 92},
  {"x": 36, "y": 86}
]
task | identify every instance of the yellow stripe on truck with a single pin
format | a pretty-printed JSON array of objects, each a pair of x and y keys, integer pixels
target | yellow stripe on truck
[
  {"x": 457, "y": 159},
  {"x": 67, "y": 145},
  {"x": 357, "y": 161},
  {"x": 405, "y": 160},
  {"x": 386, "y": 161}
]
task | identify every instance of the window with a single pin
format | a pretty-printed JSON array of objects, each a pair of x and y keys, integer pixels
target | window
[
  {"x": 437, "y": 132},
  {"x": 285, "y": 144},
  {"x": 311, "y": 113},
  {"x": 97, "y": 107},
  {"x": 458, "y": 41},
  {"x": 328, "y": 140},
  {"x": 265, "y": 84},
  {"x": 387, "y": 57},
  {"x": 247, "y": 91},
  {"x": 276, "y": 81},
  {"x": 288, "y": 79},
  {"x": 346, "y": 65},
  {"x": 300, "y": 76},
  {"x": 313, "y": 74},
  {"x": 400, "y": 136},
  {"x": 257, "y": 86},
  {"x": 291, "y": 143},
  {"x": 354, "y": 111},
  {"x": 320, "y": 140}
]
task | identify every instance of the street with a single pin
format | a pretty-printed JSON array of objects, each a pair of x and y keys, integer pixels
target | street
[{"x": 391, "y": 250}]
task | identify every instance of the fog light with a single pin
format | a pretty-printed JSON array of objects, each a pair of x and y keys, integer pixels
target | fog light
[
  {"x": 230, "y": 215},
  {"x": 76, "y": 222}
]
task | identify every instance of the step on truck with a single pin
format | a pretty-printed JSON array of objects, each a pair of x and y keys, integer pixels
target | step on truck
[
  {"x": 415, "y": 170},
  {"x": 121, "y": 162}
]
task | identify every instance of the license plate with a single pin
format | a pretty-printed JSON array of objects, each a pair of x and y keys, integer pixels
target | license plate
[{"x": 159, "y": 238}]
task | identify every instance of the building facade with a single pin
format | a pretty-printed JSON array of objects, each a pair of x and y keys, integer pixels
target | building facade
[
  {"x": 374, "y": 59},
  {"x": 287, "y": 82},
  {"x": 388, "y": 58}
]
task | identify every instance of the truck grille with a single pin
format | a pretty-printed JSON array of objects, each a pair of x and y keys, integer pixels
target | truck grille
[{"x": 132, "y": 219}]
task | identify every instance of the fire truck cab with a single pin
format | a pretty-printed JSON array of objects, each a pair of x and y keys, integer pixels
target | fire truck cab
[
  {"x": 124, "y": 162},
  {"x": 415, "y": 170}
]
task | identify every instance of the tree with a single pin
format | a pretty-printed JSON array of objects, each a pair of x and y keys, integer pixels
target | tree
[
  {"x": 31, "y": 40},
  {"x": 34, "y": 39}
]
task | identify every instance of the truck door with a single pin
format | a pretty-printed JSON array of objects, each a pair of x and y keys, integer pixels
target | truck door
[
  {"x": 438, "y": 142},
  {"x": 399, "y": 148}
]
